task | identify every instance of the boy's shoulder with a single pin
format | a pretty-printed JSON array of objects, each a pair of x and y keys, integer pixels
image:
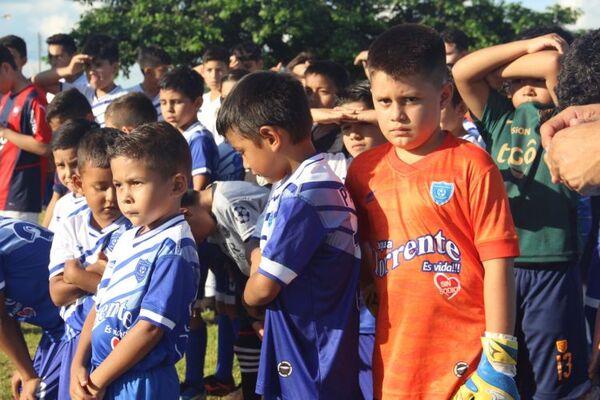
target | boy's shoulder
[{"x": 170, "y": 238}]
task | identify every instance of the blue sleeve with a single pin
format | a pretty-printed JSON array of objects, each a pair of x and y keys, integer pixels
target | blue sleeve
[
  {"x": 297, "y": 234},
  {"x": 204, "y": 155},
  {"x": 2, "y": 278},
  {"x": 170, "y": 292}
]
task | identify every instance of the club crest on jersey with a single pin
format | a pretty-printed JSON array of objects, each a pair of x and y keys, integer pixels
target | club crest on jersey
[
  {"x": 441, "y": 192},
  {"x": 284, "y": 369},
  {"x": 26, "y": 312},
  {"x": 141, "y": 269},
  {"x": 447, "y": 286}
]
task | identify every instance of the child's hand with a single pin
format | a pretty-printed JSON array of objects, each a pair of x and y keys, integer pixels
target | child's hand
[
  {"x": 259, "y": 329},
  {"x": 551, "y": 41},
  {"x": 332, "y": 116},
  {"x": 29, "y": 389},
  {"x": 95, "y": 391},
  {"x": 99, "y": 266},
  {"x": 72, "y": 267},
  {"x": 79, "y": 382},
  {"x": 77, "y": 63}
]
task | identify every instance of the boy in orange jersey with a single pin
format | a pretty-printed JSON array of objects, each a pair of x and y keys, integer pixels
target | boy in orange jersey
[{"x": 434, "y": 216}]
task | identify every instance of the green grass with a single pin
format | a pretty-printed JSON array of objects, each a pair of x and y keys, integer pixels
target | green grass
[{"x": 32, "y": 337}]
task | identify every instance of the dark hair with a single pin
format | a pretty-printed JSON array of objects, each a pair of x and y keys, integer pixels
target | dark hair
[
  {"x": 131, "y": 110},
  {"x": 69, "y": 134},
  {"x": 579, "y": 76},
  {"x": 332, "y": 71},
  {"x": 247, "y": 51},
  {"x": 456, "y": 97},
  {"x": 357, "y": 92},
  {"x": 7, "y": 57},
  {"x": 160, "y": 146},
  {"x": 15, "y": 43},
  {"x": 266, "y": 98},
  {"x": 64, "y": 40},
  {"x": 456, "y": 37},
  {"x": 69, "y": 104},
  {"x": 183, "y": 80},
  {"x": 95, "y": 147},
  {"x": 102, "y": 47},
  {"x": 234, "y": 75},
  {"x": 300, "y": 58},
  {"x": 409, "y": 50},
  {"x": 190, "y": 198},
  {"x": 216, "y": 53},
  {"x": 152, "y": 56},
  {"x": 544, "y": 30}
]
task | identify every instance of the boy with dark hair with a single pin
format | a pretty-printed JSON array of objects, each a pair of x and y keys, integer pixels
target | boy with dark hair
[
  {"x": 456, "y": 45},
  {"x": 297, "y": 65},
  {"x": 180, "y": 99},
  {"x": 154, "y": 63},
  {"x": 100, "y": 61},
  {"x": 24, "y": 137},
  {"x": 546, "y": 273},
  {"x": 65, "y": 141},
  {"x": 18, "y": 49},
  {"x": 66, "y": 105},
  {"x": 137, "y": 330},
  {"x": 24, "y": 297},
  {"x": 323, "y": 82},
  {"x": 214, "y": 66},
  {"x": 308, "y": 271},
  {"x": 61, "y": 49},
  {"x": 416, "y": 197},
  {"x": 246, "y": 55},
  {"x": 130, "y": 111},
  {"x": 83, "y": 241}
]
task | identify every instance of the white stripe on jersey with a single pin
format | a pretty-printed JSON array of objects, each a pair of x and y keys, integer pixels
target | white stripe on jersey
[
  {"x": 158, "y": 318},
  {"x": 282, "y": 272}
]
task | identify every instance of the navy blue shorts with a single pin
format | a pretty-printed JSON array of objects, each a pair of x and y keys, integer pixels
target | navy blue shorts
[
  {"x": 47, "y": 362},
  {"x": 553, "y": 356},
  {"x": 65, "y": 367}
]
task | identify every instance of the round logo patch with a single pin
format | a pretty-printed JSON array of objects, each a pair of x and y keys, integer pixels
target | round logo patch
[
  {"x": 284, "y": 368},
  {"x": 460, "y": 368}
]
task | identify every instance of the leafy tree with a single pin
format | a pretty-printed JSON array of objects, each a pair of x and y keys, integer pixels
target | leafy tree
[{"x": 333, "y": 29}]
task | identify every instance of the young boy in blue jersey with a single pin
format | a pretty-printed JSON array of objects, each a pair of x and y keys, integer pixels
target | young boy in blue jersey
[
  {"x": 84, "y": 240},
  {"x": 65, "y": 141},
  {"x": 130, "y": 111},
  {"x": 24, "y": 297},
  {"x": 553, "y": 356},
  {"x": 180, "y": 99},
  {"x": 308, "y": 273},
  {"x": 137, "y": 330}
]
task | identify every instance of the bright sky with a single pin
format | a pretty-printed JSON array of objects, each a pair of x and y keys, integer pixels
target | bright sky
[{"x": 31, "y": 19}]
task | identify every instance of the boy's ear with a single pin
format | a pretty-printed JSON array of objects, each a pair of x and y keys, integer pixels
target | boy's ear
[
  {"x": 77, "y": 183},
  {"x": 115, "y": 68},
  {"x": 127, "y": 129},
  {"x": 462, "y": 108},
  {"x": 198, "y": 102},
  {"x": 271, "y": 136},
  {"x": 180, "y": 184},
  {"x": 446, "y": 94}
]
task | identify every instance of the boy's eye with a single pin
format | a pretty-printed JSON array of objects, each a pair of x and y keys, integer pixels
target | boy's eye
[
  {"x": 410, "y": 99},
  {"x": 384, "y": 102},
  {"x": 117, "y": 184}
]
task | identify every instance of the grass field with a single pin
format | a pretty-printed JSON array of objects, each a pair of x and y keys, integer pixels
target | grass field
[{"x": 32, "y": 336}]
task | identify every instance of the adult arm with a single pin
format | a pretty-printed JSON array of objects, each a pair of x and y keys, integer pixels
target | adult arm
[{"x": 25, "y": 142}]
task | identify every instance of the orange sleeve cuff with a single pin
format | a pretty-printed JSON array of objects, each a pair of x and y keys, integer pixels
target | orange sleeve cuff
[{"x": 503, "y": 248}]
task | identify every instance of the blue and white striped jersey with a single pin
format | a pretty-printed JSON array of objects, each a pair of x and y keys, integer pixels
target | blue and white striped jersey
[
  {"x": 24, "y": 253},
  {"x": 230, "y": 166},
  {"x": 205, "y": 154},
  {"x": 310, "y": 247},
  {"x": 76, "y": 238},
  {"x": 153, "y": 277},
  {"x": 99, "y": 104},
  {"x": 65, "y": 207}
]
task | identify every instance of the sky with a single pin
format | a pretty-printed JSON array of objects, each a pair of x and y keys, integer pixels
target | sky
[{"x": 33, "y": 19}]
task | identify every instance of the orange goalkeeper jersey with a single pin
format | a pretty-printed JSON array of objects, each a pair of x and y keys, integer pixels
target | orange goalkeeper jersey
[{"x": 430, "y": 225}]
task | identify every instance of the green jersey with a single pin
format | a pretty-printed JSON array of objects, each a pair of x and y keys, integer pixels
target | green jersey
[{"x": 545, "y": 213}]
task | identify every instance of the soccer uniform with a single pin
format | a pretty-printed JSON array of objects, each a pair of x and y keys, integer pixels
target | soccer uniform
[
  {"x": 550, "y": 326},
  {"x": 430, "y": 226},
  {"x": 76, "y": 238},
  {"x": 23, "y": 174},
  {"x": 472, "y": 134},
  {"x": 309, "y": 247},
  {"x": 205, "y": 154},
  {"x": 207, "y": 115},
  {"x": 230, "y": 166},
  {"x": 67, "y": 206},
  {"x": 155, "y": 101},
  {"x": 24, "y": 250},
  {"x": 153, "y": 277},
  {"x": 99, "y": 104}
]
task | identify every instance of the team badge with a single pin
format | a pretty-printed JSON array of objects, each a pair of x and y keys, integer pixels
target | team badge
[
  {"x": 460, "y": 368},
  {"x": 26, "y": 312},
  {"x": 441, "y": 192},
  {"x": 141, "y": 269},
  {"x": 241, "y": 214},
  {"x": 284, "y": 369},
  {"x": 562, "y": 345},
  {"x": 447, "y": 286}
]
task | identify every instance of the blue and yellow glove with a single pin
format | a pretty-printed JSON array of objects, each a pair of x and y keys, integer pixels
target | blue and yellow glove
[{"x": 494, "y": 377}]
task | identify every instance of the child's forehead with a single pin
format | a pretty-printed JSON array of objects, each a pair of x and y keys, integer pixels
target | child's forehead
[
  {"x": 173, "y": 93},
  {"x": 88, "y": 170},
  {"x": 214, "y": 63},
  {"x": 381, "y": 80},
  {"x": 64, "y": 153}
]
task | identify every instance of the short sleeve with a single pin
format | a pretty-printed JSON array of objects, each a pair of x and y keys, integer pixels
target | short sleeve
[
  {"x": 41, "y": 130},
  {"x": 493, "y": 226},
  {"x": 61, "y": 249},
  {"x": 296, "y": 235},
  {"x": 497, "y": 111},
  {"x": 204, "y": 156},
  {"x": 170, "y": 293}
]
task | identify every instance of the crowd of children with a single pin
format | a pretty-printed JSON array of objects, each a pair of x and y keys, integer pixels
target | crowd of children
[{"x": 399, "y": 237}]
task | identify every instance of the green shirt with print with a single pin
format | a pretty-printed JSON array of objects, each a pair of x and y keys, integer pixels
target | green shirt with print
[{"x": 545, "y": 214}]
